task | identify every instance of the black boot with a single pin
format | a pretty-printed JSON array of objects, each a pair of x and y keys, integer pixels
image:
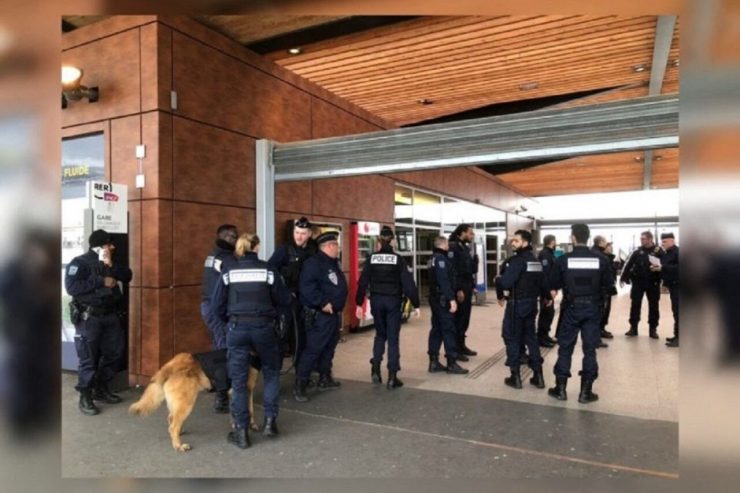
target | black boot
[
  {"x": 270, "y": 429},
  {"x": 672, "y": 342},
  {"x": 605, "y": 334},
  {"x": 515, "y": 380},
  {"x": 558, "y": 391},
  {"x": 467, "y": 351},
  {"x": 326, "y": 382},
  {"x": 375, "y": 372},
  {"x": 538, "y": 380},
  {"x": 586, "y": 395},
  {"x": 544, "y": 342},
  {"x": 601, "y": 344},
  {"x": 299, "y": 390},
  {"x": 393, "y": 381},
  {"x": 239, "y": 437},
  {"x": 87, "y": 406},
  {"x": 632, "y": 332},
  {"x": 654, "y": 333},
  {"x": 462, "y": 357},
  {"x": 454, "y": 368},
  {"x": 221, "y": 402},
  {"x": 102, "y": 393},
  {"x": 435, "y": 366}
]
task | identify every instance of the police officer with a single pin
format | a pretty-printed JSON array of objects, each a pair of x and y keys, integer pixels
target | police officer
[
  {"x": 465, "y": 266},
  {"x": 644, "y": 282},
  {"x": 388, "y": 276},
  {"x": 547, "y": 310},
  {"x": 323, "y": 290},
  {"x": 443, "y": 304},
  {"x": 216, "y": 261},
  {"x": 245, "y": 299},
  {"x": 288, "y": 260},
  {"x": 584, "y": 278},
  {"x": 92, "y": 281},
  {"x": 599, "y": 247},
  {"x": 668, "y": 269},
  {"x": 525, "y": 280},
  {"x": 609, "y": 252}
]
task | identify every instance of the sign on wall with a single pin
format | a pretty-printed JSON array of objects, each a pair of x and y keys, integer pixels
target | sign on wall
[
  {"x": 368, "y": 228},
  {"x": 109, "y": 203}
]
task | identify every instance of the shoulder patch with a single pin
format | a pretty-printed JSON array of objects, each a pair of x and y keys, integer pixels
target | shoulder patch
[
  {"x": 270, "y": 277},
  {"x": 450, "y": 254},
  {"x": 545, "y": 261},
  {"x": 217, "y": 264},
  {"x": 72, "y": 270},
  {"x": 209, "y": 262},
  {"x": 441, "y": 264}
]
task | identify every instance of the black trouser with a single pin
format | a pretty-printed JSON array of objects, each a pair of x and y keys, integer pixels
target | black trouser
[
  {"x": 442, "y": 331},
  {"x": 545, "y": 318},
  {"x": 578, "y": 318},
  {"x": 674, "y": 290},
  {"x": 652, "y": 291},
  {"x": 99, "y": 342},
  {"x": 386, "y": 310},
  {"x": 518, "y": 331},
  {"x": 462, "y": 316},
  {"x": 605, "y": 312}
]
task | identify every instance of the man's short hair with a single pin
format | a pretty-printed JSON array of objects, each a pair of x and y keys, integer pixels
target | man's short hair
[
  {"x": 581, "y": 232},
  {"x": 524, "y": 234},
  {"x": 548, "y": 239},
  {"x": 439, "y": 241},
  {"x": 647, "y": 233},
  {"x": 225, "y": 227},
  {"x": 598, "y": 239}
]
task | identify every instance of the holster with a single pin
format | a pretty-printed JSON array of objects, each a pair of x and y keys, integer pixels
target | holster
[
  {"x": 75, "y": 312},
  {"x": 281, "y": 327},
  {"x": 309, "y": 318}
]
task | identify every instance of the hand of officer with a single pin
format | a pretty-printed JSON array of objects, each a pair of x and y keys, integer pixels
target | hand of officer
[
  {"x": 417, "y": 313},
  {"x": 327, "y": 308},
  {"x": 501, "y": 302},
  {"x": 106, "y": 257},
  {"x": 621, "y": 284},
  {"x": 453, "y": 306},
  {"x": 656, "y": 268},
  {"x": 460, "y": 296},
  {"x": 109, "y": 282},
  {"x": 553, "y": 293},
  {"x": 358, "y": 312},
  {"x": 549, "y": 302}
]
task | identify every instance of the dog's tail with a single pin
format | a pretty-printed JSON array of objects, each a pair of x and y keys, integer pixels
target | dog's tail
[{"x": 153, "y": 396}]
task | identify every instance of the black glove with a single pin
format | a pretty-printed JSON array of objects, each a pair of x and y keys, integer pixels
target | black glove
[{"x": 281, "y": 327}]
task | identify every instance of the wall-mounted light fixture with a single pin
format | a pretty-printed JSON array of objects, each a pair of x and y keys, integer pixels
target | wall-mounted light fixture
[
  {"x": 295, "y": 51},
  {"x": 72, "y": 88}
]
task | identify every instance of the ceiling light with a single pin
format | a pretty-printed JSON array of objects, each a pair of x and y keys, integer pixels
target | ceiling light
[
  {"x": 638, "y": 68},
  {"x": 675, "y": 62},
  {"x": 529, "y": 86},
  {"x": 638, "y": 158},
  {"x": 295, "y": 51},
  {"x": 657, "y": 157},
  {"x": 424, "y": 101}
]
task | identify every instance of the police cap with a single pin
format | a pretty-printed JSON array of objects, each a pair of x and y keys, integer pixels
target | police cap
[
  {"x": 665, "y": 236},
  {"x": 387, "y": 232},
  {"x": 99, "y": 237},
  {"x": 302, "y": 223},
  {"x": 327, "y": 236}
]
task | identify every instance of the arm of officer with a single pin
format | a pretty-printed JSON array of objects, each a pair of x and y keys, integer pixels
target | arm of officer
[
  {"x": 627, "y": 268},
  {"x": 363, "y": 282},
  {"x": 310, "y": 287},
  {"x": 121, "y": 273},
  {"x": 277, "y": 259},
  {"x": 407, "y": 283},
  {"x": 80, "y": 280},
  {"x": 219, "y": 297},
  {"x": 555, "y": 280},
  {"x": 607, "y": 278},
  {"x": 281, "y": 295},
  {"x": 443, "y": 281},
  {"x": 512, "y": 274}
]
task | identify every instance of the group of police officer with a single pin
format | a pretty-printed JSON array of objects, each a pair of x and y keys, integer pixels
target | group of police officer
[{"x": 303, "y": 287}]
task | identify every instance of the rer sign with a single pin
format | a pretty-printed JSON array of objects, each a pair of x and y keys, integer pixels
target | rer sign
[{"x": 109, "y": 203}]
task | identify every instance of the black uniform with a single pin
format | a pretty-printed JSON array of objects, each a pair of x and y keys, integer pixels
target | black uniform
[
  {"x": 99, "y": 338},
  {"x": 669, "y": 273},
  {"x": 245, "y": 299},
  {"x": 644, "y": 282},
  {"x": 547, "y": 313},
  {"x": 584, "y": 278},
  {"x": 441, "y": 281},
  {"x": 288, "y": 260},
  {"x": 216, "y": 262},
  {"x": 322, "y": 281},
  {"x": 465, "y": 266},
  {"x": 388, "y": 276},
  {"x": 525, "y": 280},
  {"x": 612, "y": 291}
]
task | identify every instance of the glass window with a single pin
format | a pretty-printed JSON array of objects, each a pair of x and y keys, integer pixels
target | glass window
[
  {"x": 83, "y": 159},
  {"x": 427, "y": 209},
  {"x": 404, "y": 201}
]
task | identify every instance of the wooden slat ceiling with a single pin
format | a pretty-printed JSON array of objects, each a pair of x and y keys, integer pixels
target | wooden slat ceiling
[
  {"x": 461, "y": 63},
  {"x": 601, "y": 173},
  {"x": 249, "y": 28}
]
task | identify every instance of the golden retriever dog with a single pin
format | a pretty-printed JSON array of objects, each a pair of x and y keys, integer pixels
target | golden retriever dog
[{"x": 178, "y": 382}]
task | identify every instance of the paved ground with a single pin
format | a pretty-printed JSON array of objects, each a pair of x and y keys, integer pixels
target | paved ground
[{"x": 437, "y": 426}]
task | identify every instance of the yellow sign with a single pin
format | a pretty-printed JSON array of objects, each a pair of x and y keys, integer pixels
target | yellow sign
[{"x": 76, "y": 171}]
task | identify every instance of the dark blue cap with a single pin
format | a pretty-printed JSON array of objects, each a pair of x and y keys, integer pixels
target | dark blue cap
[{"x": 327, "y": 236}]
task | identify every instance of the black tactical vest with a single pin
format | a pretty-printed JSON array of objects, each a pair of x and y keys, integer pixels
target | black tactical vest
[
  {"x": 102, "y": 297},
  {"x": 582, "y": 275},
  {"x": 249, "y": 282},
  {"x": 529, "y": 284},
  {"x": 385, "y": 273},
  {"x": 296, "y": 256}
]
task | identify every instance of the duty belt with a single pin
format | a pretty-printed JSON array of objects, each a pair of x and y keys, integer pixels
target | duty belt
[
  {"x": 98, "y": 311},
  {"x": 583, "y": 300},
  {"x": 255, "y": 319}
]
